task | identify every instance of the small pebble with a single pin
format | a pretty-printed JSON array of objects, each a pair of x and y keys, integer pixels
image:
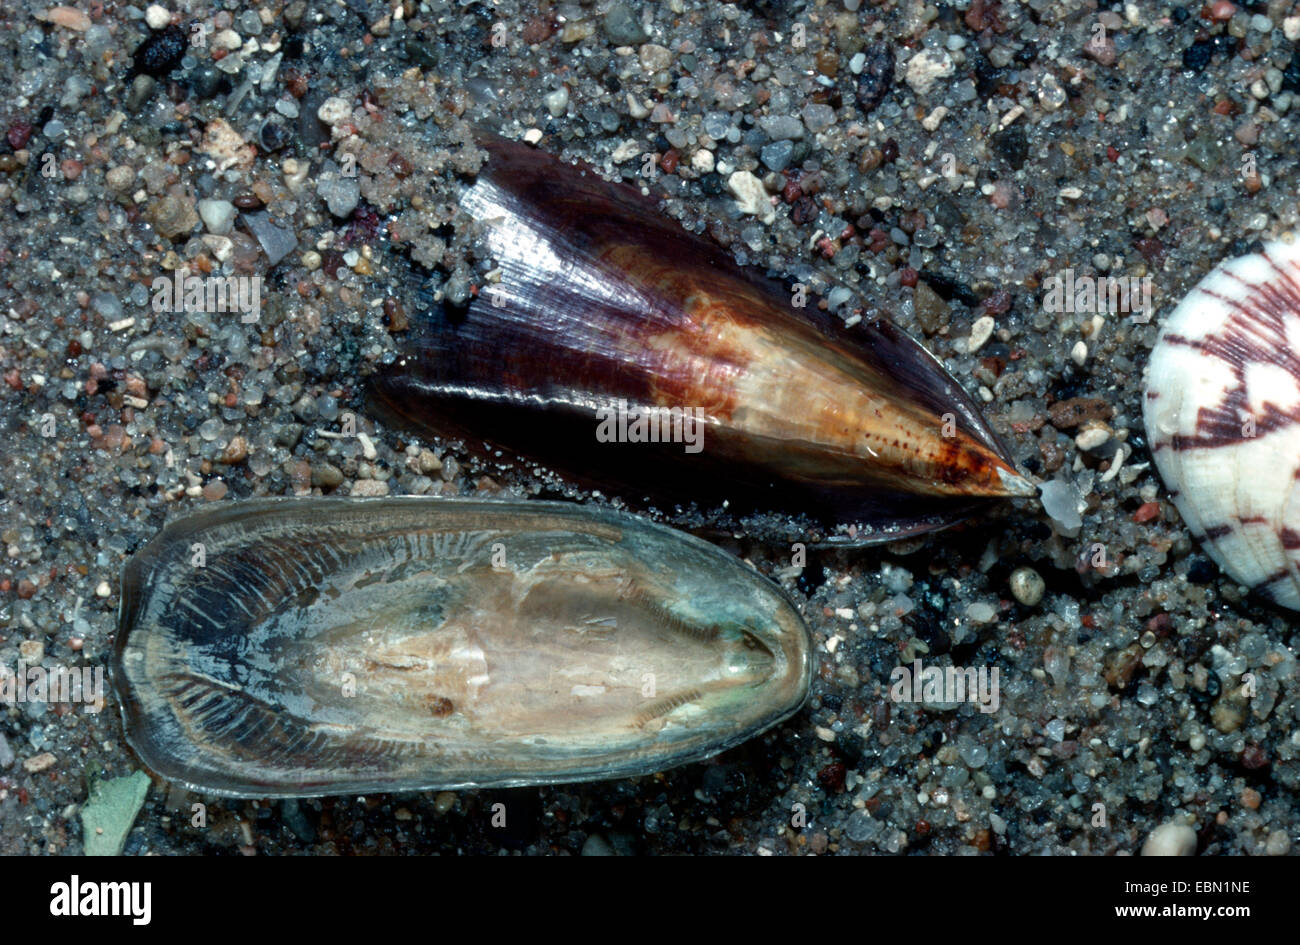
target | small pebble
[
  {"x": 120, "y": 178},
  {"x": 751, "y": 196},
  {"x": 596, "y": 845},
  {"x": 557, "y": 102},
  {"x": 370, "y": 487},
  {"x": 37, "y": 763},
  {"x": 277, "y": 242},
  {"x": 70, "y": 18},
  {"x": 1027, "y": 586},
  {"x": 334, "y": 111},
  {"x": 1228, "y": 714},
  {"x": 775, "y": 156},
  {"x": 1060, "y": 502},
  {"x": 817, "y": 117},
  {"x": 980, "y": 332},
  {"x": 326, "y": 476},
  {"x": 623, "y": 26},
  {"x": 341, "y": 195},
  {"x": 926, "y": 68},
  {"x": 142, "y": 87},
  {"x": 655, "y": 58},
  {"x": 932, "y": 121},
  {"x": 1170, "y": 839},
  {"x": 236, "y": 451},
  {"x": 172, "y": 216},
  {"x": 1278, "y": 843},
  {"x": 217, "y": 215},
  {"x": 157, "y": 16},
  {"x": 930, "y": 308},
  {"x": 1092, "y": 437}
]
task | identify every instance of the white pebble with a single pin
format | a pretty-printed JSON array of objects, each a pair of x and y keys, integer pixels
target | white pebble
[
  {"x": 556, "y": 102},
  {"x": 157, "y": 17},
  {"x": 217, "y": 215},
  {"x": 751, "y": 196},
  {"x": 227, "y": 39},
  {"x": 625, "y": 152},
  {"x": 1027, "y": 586},
  {"x": 1170, "y": 839},
  {"x": 370, "y": 487},
  {"x": 702, "y": 161},
  {"x": 980, "y": 332},
  {"x": 932, "y": 121},
  {"x": 1278, "y": 844},
  {"x": 104, "y": 590},
  {"x": 1091, "y": 438},
  {"x": 655, "y": 58},
  {"x": 334, "y": 111},
  {"x": 926, "y": 67},
  {"x": 1079, "y": 353}
]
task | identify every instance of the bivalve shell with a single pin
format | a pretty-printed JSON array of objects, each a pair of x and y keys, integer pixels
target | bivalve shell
[
  {"x": 1222, "y": 411},
  {"x": 322, "y": 646},
  {"x": 627, "y": 354}
]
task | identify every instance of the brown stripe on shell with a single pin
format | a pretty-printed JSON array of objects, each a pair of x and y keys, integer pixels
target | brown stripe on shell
[
  {"x": 1255, "y": 334},
  {"x": 1215, "y": 532},
  {"x": 1267, "y": 587}
]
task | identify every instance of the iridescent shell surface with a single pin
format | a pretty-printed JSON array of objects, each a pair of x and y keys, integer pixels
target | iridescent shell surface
[
  {"x": 328, "y": 646},
  {"x": 602, "y": 301},
  {"x": 1222, "y": 411}
]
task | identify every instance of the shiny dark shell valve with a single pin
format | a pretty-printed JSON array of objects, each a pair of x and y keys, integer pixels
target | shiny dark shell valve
[{"x": 604, "y": 306}]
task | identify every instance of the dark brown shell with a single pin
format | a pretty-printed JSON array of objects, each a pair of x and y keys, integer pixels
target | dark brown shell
[{"x": 603, "y": 300}]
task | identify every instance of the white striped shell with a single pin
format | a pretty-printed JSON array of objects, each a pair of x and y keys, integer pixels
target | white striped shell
[{"x": 1222, "y": 411}]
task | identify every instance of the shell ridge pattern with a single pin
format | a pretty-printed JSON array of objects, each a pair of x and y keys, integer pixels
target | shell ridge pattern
[{"x": 1223, "y": 417}]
